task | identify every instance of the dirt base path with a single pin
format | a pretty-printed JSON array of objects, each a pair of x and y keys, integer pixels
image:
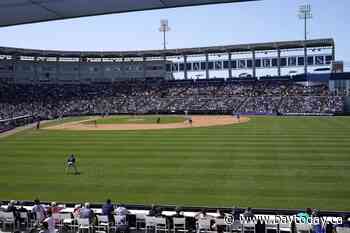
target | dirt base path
[{"x": 197, "y": 121}]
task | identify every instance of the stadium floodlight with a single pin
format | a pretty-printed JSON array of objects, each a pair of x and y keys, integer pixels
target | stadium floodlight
[
  {"x": 164, "y": 28},
  {"x": 305, "y": 14}
]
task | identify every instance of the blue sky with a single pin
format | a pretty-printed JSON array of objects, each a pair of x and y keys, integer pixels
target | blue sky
[{"x": 262, "y": 21}]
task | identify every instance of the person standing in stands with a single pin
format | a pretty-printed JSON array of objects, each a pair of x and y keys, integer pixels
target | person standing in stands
[
  {"x": 71, "y": 164},
  {"x": 39, "y": 211},
  {"x": 107, "y": 209}
]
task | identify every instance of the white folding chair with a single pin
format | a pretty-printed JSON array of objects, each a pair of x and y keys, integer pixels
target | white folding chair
[
  {"x": 149, "y": 223},
  {"x": 179, "y": 224},
  {"x": 103, "y": 222},
  {"x": 303, "y": 228},
  {"x": 65, "y": 219},
  {"x": 236, "y": 226},
  {"x": 203, "y": 225},
  {"x": 271, "y": 227},
  {"x": 160, "y": 224},
  {"x": 24, "y": 220},
  {"x": 8, "y": 219},
  {"x": 140, "y": 221},
  {"x": 220, "y": 222},
  {"x": 56, "y": 219},
  {"x": 121, "y": 223},
  {"x": 84, "y": 224},
  {"x": 284, "y": 227},
  {"x": 1, "y": 217},
  {"x": 248, "y": 227},
  {"x": 342, "y": 229}
]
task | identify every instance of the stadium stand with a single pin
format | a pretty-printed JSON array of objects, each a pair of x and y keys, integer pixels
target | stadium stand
[{"x": 47, "y": 101}]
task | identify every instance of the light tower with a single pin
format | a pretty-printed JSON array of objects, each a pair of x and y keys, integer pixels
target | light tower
[
  {"x": 305, "y": 14},
  {"x": 164, "y": 27}
]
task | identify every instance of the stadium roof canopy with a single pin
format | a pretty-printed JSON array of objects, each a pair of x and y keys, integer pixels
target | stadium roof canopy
[
  {"x": 239, "y": 48},
  {"x": 15, "y": 12}
]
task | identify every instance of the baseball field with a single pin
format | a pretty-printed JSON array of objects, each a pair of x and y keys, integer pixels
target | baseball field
[{"x": 273, "y": 162}]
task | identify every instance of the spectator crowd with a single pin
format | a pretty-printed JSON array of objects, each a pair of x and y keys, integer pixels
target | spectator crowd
[
  {"x": 109, "y": 217},
  {"x": 49, "y": 101}
]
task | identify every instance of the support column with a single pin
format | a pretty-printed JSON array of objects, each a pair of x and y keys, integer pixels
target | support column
[
  {"x": 253, "y": 64},
  {"x": 164, "y": 66},
  {"x": 185, "y": 66},
  {"x": 102, "y": 69},
  {"x": 144, "y": 67},
  {"x": 279, "y": 62},
  {"x": 58, "y": 71},
  {"x": 81, "y": 59},
  {"x": 36, "y": 80},
  {"x": 207, "y": 66},
  {"x": 229, "y": 65},
  {"x": 123, "y": 76},
  {"x": 333, "y": 53},
  {"x": 305, "y": 60}
]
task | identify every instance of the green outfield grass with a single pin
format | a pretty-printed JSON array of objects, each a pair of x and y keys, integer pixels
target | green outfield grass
[
  {"x": 275, "y": 162},
  {"x": 137, "y": 120}
]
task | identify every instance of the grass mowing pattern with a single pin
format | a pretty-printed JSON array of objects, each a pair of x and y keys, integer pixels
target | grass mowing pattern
[
  {"x": 277, "y": 162},
  {"x": 137, "y": 120}
]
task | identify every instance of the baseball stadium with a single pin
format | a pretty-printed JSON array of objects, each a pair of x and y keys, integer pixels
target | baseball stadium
[{"x": 172, "y": 139}]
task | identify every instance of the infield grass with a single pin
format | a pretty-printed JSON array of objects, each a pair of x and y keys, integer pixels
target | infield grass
[{"x": 275, "y": 162}]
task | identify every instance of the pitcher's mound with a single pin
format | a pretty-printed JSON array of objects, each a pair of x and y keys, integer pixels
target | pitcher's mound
[{"x": 197, "y": 121}]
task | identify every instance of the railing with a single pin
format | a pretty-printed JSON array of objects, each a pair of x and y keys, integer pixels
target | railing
[{"x": 11, "y": 123}]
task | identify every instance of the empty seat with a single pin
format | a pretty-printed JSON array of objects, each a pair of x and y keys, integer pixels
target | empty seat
[
  {"x": 179, "y": 224},
  {"x": 203, "y": 225}
]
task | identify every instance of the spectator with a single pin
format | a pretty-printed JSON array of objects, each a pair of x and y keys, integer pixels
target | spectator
[
  {"x": 201, "y": 215},
  {"x": 76, "y": 211},
  {"x": 236, "y": 213},
  {"x": 50, "y": 222},
  {"x": 39, "y": 211},
  {"x": 178, "y": 212},
  {"x": 107, "y": 209},
  {"x": 86, "y": 212},
  {"x": 248, "y": 213},
  {"x": 121, "y": 219},
  {"x": 55, "y": 208},
  {"x": 121, "y": 210},
  {"x": 153, "y": 210}
]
